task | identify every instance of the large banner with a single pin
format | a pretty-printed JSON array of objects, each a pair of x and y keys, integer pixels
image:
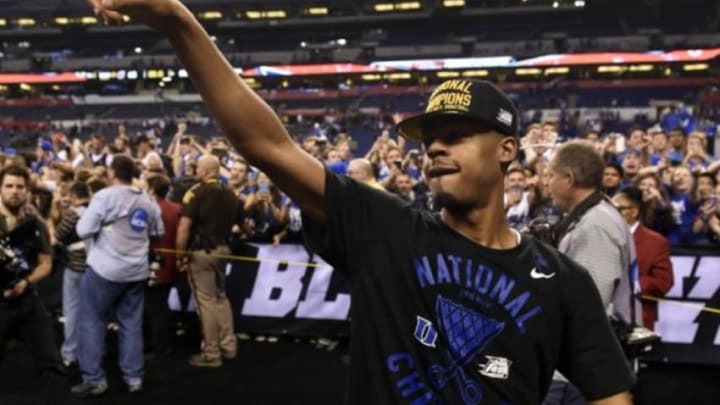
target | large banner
[
  {"x": 285, "y": 289},
  {"x": 689, "y": 316}
]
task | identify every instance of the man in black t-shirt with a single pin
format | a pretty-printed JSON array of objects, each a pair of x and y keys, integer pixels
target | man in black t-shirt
[
  {"x": 454, "y": 308},
  {"x": 206, "y": 221},
  {"x": 25, "y": 259}
]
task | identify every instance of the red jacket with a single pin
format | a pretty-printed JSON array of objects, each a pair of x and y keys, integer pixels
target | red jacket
[
  {"x": 655, "y": 268},
  {"x": 170, "y": 212}
]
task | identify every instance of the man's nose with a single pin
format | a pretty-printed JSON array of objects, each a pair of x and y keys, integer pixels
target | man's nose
[{"x": 436, "y": 147}]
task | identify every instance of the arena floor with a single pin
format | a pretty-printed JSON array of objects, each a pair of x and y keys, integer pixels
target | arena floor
[{"x": 296, "y": 372}]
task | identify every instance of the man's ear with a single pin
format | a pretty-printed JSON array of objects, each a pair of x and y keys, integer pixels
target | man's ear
[{"x": 507, "y": 150}]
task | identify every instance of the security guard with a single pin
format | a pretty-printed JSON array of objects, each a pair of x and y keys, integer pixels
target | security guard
[{"x": 204, "y": 230}]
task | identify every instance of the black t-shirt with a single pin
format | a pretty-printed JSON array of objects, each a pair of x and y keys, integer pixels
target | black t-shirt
[
  {"x": 21, "y": 247},
  {"x": 438, "y": 319},
  {"x": 213, "y": 209}
]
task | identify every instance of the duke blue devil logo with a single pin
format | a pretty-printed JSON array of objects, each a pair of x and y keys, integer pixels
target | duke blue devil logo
[{"x": 425, "y": 332}]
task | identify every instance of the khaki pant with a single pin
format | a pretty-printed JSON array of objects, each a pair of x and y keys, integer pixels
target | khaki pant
[{"x": 207, "y": 280}]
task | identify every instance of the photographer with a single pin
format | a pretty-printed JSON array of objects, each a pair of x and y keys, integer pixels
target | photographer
[
  {"x": 594, "y": 234},
  {"x": 26, "y": 259}
]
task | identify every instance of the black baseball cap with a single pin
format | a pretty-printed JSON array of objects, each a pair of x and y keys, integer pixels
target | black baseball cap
[{"x": 477, "y": 99}]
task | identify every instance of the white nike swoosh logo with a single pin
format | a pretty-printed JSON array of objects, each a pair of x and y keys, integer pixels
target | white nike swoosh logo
[{"x": 534, "y": 273}]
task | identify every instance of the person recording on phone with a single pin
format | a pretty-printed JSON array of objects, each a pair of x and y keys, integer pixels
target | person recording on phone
[
  {"x": 706, "y": 224},
  {"x": 26, "y": 256},
  {"x": 268, "y": 209}
]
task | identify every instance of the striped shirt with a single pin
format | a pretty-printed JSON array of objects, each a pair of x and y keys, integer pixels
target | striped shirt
[{"x": 66, "y": 235}]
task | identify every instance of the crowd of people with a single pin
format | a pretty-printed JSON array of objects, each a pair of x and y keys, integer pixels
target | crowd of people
[{"x": 115, "y": 208}]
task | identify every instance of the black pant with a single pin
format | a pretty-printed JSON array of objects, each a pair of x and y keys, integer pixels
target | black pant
[
  {"x": 27, "y": 319},
  {"x": 158, "y": 317}
]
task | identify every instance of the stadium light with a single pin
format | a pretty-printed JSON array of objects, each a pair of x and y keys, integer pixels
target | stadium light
[
  {"x": 138, "y": 49},
  {"x": 25, "y": 22},
  {"x": 555, "y": 4},
  {"x": 611, "y": 69},
  {"x": 402, "y": 6},
  {"x": 62, "y": 20},
  {"x": 398, "y": 76},
  {"x": 557, "y": 71},
  {"x": 408, "y": 5},
  {"x": 528, "y": 71},
  {"x": 371, "y": 77},
  {"x": 475, "y": 73},
  {"x": 641, "y": 68},
  {"x": 696, "y": 67},
  {"x": 210, "y": 15},
  {"x": 447, "y": 74},
  {"x": 261, "y": 14},
  {"x": 88, "y": 20},
  {"x": 579, "y": 3},
  {"x": 453, "y": 3},
  {"x": 3, "y": 22},
  {"x": 316, "y": 11}
]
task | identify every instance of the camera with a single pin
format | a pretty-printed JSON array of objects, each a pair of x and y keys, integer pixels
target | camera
[
  {"x": 156, "y": 263},
  {"x": 14, "y": 267},
  {"x": 543, "y": 230}
]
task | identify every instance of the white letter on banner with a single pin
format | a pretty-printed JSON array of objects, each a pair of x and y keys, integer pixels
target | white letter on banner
[
  {"x": 708, "y": 274},
  {"x": 315, "y": 306},
  {"x": 269, "y": 278},
  {"x": 682, "y": 267},
  {"x": 676, "y": 324}
]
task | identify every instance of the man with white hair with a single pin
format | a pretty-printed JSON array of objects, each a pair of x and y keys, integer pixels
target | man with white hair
[{"x": 361, "y": 170}]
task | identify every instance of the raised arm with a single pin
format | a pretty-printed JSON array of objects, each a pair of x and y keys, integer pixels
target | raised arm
[{"x": 249, "y": 123}]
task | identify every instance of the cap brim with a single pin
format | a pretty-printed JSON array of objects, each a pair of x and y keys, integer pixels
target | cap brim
[{"x": 412, "y": 128}]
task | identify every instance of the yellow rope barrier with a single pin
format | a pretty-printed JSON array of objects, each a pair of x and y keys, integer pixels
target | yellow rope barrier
[
  {"x": 245, "y": 258},
  {"x": 701, "y": 307},
  {"x": 293, "y": 263}
]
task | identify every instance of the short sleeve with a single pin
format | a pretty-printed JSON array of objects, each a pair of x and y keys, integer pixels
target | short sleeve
[
  {"x": 190, "y": 202},
  {"x": 43, "y": 237},
  {"x": 591, "y": 356},
  {"x": 357, "y": 217}
]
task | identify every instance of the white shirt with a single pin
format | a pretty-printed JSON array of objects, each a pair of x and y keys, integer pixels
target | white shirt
[{"x": 634, "y": 227}]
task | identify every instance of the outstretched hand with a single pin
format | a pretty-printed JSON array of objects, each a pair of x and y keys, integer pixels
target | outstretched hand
[{"x": 157, "y": 14}]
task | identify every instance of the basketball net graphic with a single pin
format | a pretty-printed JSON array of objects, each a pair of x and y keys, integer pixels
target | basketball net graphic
[{"x": 467, "y": 333}]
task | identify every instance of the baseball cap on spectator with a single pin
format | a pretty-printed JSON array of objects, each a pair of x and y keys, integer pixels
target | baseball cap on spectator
[
  {"x": 476, "y": 99},
  {"x": 46, "y": 145},
  {"x": 10, "y": 152}
]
